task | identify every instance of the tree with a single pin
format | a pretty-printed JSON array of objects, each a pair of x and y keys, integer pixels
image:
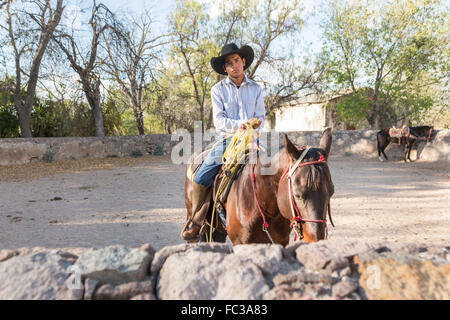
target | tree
[
  {"x": 292, "y": 80},
  {"x": 84, "y": 61},
  {"x": 270, "y": 20},
  {"x": 193, "y": 49},
  {"x": 9, "y": 123},
  {"x": 257, "y": 23},
  {"x": 22, "y": 37},
  {"x": 131, "y": 50},
  {"x": 169, "y": 98},
  {"x": 392, "y": 47}
]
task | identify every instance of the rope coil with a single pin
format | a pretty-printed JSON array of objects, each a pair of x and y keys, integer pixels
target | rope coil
[{"x": 233, "y": 156}]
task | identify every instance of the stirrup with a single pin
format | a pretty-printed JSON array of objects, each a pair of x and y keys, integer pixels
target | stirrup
[{"x": 221, "y": 213}]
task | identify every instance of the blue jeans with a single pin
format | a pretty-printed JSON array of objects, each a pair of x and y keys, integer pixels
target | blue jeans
[{"x": 212, "y": 164}]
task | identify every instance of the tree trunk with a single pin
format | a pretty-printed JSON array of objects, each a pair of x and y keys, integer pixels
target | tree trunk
[
  {"x": 24, "y": 121},
  {"x": 97, "y": 113},
  {"x": 139, "y": 117},
  {"x": 93, "y": 97},
  {"x": 24, "y": 110},
  {"x": 377, "y": 123},
  {"x": 98, "y": 117}
]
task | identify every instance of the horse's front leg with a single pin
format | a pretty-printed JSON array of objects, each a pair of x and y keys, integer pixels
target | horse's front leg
[
  {"x": 409, "y": 147},
  {"x": 405, "y": 152}
]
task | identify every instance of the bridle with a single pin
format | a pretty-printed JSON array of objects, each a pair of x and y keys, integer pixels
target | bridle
[{"x": 297, "y": 220}]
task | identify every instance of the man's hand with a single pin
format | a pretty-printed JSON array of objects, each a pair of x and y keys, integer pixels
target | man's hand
[
  {"x": 244, "y": 126},
  {"x": 256, "y": 124}
]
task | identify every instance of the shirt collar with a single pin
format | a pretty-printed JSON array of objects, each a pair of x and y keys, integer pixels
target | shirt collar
[{"x": 246, "y": 80}]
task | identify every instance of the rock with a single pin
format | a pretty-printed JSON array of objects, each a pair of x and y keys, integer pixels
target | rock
[
  {"x": 289, "y": 250},
  {"x": 344, "y": 287},
  {"x": 196, "y": 274},
  {"x": 336, "y": 263},
  {"x": 322, "y": 270},
  {"x": 104, "y": 292},
  {"x": 390, "y": 275},
  {"x": 114, "y": 264},
  {"x": 164, "y": 253},
  {"x": 67, "y": 255},
  {"x": 89, "y": 288},
  {"x": 64, "y": 293},
  {"x": 5, "y": 254},
  {"x": 125, "y": 291},
  {"x": 147, "y": 247},
  {"x": 438, "y": 251},
  {"x": 32, "y": 277},
  {"x": 240, "y": 280},
  {"x": 302, "y": 276},
  {"x": 318, "y": 255},
  {"x": 286, "y": 293},
  {"x": 306, "y": 292},
  {"x": 267, "y": 257},
  {"x": 347, "y": 271},
  {"x": 144, "y": 296}
]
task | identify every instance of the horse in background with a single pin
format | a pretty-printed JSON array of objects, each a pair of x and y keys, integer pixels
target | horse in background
[{"x": 406, "y": 136}]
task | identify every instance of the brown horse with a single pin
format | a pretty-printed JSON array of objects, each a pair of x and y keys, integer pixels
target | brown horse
[
  {"x": 416, "y": 134},
  {"x": 262, "y": 208}
]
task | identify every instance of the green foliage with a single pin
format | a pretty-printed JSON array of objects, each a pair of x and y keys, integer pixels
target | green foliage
[
  {"x": 48, "y": 155},
  {"x": 158, "y": 151},
  {"x": 9, "y": 122},
  {"x": 50, "y": 118},
  {"x": 113, "y": 109},
  {"x": 353, "y": 108},
  {"x": 393, "y": 47},
  {"x": 136, "y": 153}
]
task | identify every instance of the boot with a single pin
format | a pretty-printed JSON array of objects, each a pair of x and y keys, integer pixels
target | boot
[{"x": 200, "y": 195}]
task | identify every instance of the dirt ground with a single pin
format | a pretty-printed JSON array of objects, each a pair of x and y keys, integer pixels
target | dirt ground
[{"x": 131, "y": 201}]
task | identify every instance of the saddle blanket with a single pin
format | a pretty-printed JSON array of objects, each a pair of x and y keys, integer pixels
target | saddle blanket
[{"x": 399, "y": 132}]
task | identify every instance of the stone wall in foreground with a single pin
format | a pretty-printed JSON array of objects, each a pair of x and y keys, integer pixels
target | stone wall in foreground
[
  {"x": 345, "y": 143},
  {"x": 322, "y": 270}
]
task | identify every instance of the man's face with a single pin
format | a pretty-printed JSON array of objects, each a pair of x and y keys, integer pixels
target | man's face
[{"x": 234, "y": 65}]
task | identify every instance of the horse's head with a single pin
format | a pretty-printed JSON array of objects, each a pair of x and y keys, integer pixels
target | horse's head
[{"x": 307, "y": 187}]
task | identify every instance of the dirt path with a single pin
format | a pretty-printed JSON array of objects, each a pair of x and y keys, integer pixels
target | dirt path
[{"x": 100, "y": 202}]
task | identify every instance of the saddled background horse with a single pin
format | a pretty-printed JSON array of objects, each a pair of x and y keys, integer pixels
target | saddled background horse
[
  {"x": 416, "y": 134},
  {"x": 265, "y": 208}
]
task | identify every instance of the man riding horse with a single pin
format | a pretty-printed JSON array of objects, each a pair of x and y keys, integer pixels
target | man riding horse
[{"x": 237, "y": 101}]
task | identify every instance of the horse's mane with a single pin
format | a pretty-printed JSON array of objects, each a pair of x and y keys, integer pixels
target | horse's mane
[{"x": 317, "y": 173}]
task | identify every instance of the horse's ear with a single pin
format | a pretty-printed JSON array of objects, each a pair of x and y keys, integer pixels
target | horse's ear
[
  {"x": 325, "y": 141},
  {"x": 291, "y": 149}
]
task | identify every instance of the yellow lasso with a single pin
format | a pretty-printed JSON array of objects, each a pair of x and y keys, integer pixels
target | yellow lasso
[{"x": 233, "y": 156}]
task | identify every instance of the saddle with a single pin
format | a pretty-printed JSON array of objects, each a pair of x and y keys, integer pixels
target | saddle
[
  {"x": 399, "y": 132},
  {"x": 220, "y": 193}
]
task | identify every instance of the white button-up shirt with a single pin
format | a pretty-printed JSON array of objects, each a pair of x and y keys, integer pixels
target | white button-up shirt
[{"x": 233, "y": 106}]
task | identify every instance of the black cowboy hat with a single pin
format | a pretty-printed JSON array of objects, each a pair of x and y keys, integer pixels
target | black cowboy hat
[{"x": 246, "y": 52}]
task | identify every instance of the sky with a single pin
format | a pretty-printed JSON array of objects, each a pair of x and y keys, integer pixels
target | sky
[
  {"x": 79, "y": 10},
  {"x": 311, "y": 33}
]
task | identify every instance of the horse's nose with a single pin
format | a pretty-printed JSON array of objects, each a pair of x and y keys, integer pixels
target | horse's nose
[{"x": 316, "y": 231}]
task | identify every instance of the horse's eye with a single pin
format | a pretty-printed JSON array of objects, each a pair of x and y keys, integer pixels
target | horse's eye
[{"x": 300, "y": 195}]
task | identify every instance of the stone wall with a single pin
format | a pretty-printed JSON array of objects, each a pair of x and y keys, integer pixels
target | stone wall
[
  {"x": 322, "y": 270},
  {"x": 345, "y": 143}
]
